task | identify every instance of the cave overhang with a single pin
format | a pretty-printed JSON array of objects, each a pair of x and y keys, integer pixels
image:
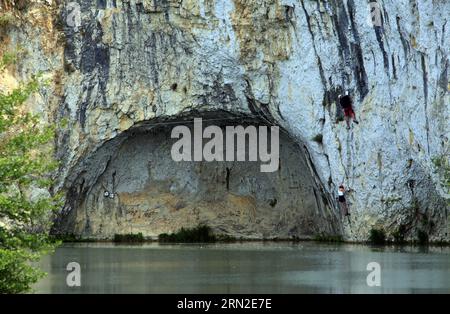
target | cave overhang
[{"x": 133, "y": 183}]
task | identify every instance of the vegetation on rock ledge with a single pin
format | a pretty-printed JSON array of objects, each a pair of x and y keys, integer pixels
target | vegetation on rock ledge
[
  {"x": 129, "y": 238},
  {"x": 377, "y": 236},
  {"x": 199, "y": 234}
]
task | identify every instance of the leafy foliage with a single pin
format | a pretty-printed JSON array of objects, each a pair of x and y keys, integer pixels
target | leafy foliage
[
  {"x": 328, "y": 238},
  {"x": 6, "y": 19},
  {"x": 422, "y": 237},
  {"x": 129, "y": 238},
  {"x": 400, "y": 234},
  {"x": 442, "y": 168},
  {"x": 377, "y": 237},
  {"x": 200, "y": 234},
  {"x": 318, "y": 138},
  {"x": 25, "y": 166}
]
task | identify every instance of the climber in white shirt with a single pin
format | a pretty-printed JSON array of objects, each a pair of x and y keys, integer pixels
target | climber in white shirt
[{"x": 342, "y": 201}]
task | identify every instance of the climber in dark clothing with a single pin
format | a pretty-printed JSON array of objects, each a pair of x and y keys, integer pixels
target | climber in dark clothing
[
  {"x": 347, "y": 105},
  {"x": 342, "y": 201}
]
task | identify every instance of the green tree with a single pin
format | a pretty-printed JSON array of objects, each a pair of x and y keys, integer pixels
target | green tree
[
  {"x": 442, "y": 168},
  {"x": 25, "y": 168}
]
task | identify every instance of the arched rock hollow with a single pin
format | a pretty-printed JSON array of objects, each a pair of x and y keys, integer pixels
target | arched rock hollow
[{"x": 153, "y": 194}]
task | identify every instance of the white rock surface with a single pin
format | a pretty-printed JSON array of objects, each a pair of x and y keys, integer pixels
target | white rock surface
[{"x": 285, "y": 59}]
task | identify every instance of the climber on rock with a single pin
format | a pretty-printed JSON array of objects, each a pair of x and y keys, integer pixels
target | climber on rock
[
  {"x": 347, "y": 105},
  {"x": 342, "y": 201}
]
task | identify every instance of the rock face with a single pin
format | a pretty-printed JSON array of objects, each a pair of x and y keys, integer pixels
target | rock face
[
  {"x": 283, "y": 62},
  {"x": 141, "y": 189}
]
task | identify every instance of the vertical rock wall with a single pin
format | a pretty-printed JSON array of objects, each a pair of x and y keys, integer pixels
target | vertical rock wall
[{"x": 282, "y": 61}]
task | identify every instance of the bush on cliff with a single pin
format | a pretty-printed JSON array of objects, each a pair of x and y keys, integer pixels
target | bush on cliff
[
  {"x": 442, "y": 169},
  {"x": 422, "y": 237},
  {"x": 377, "y": 237},
  {"x": 25, "y": 165},
  {"x": 129, "y": 238},
  {"x": 200, "y": 234}
]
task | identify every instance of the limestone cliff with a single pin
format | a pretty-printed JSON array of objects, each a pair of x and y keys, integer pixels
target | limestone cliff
[{"x": 124, "y": 65}]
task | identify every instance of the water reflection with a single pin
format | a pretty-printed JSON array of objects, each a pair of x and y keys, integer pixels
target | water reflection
[{"x": 246, "y": 268}]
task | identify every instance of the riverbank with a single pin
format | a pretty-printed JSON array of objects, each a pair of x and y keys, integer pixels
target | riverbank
[
  {"x": 204, "y": 234},
  {"x": 318, "y": 240}
]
